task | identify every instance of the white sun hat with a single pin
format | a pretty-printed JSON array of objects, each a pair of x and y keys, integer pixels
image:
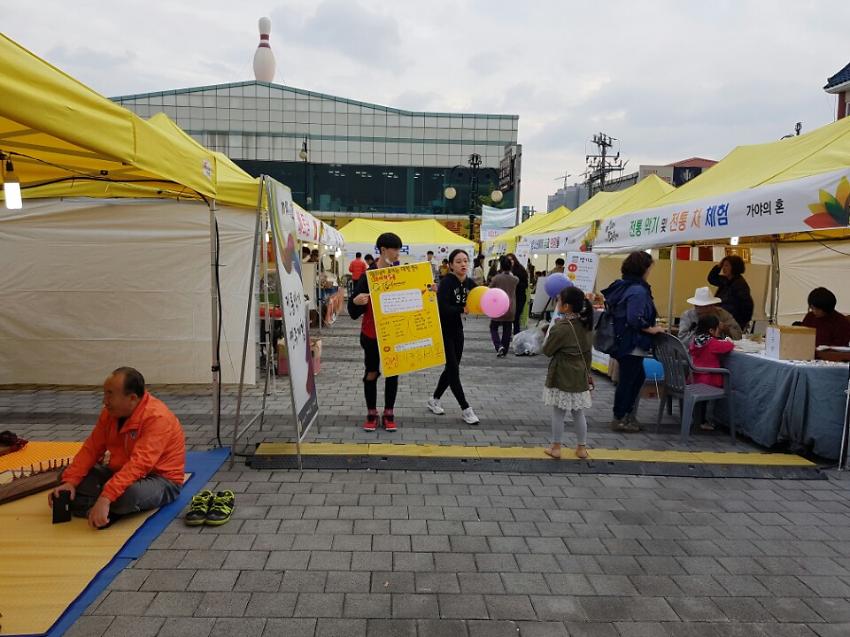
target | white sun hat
[{"x": 703, "y": 297}]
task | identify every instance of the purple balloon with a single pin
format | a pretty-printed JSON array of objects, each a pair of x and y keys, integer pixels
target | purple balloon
[
  {"x": 556, "y": 283},
  {"x": 495, "y": 303}
]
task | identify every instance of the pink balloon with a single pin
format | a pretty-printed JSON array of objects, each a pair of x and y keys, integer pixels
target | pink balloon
[{"x": 495, "y": 303}]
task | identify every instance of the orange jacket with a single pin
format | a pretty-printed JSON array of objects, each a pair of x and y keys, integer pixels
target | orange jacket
[{"x": 150, "y": 442}]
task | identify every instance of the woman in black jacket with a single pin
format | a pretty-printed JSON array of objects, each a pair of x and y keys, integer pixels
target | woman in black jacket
[
  {"x": 521, "y": 290},
  {"x": 451, "y": 301},
  {"x": 732, "y": 289}
]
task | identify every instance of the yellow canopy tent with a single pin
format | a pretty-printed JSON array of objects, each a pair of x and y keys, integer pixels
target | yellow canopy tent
[
  {"x": 418, "y": 237},
  {"x": 506, "y": 242},
  {"x": 561, "y": 234}
]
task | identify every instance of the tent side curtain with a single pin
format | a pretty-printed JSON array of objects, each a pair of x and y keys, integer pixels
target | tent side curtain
[{"x": 800, "y": 184}]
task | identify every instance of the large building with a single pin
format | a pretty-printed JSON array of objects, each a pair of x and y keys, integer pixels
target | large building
[
  {"x": 839, "y": 84},
  {"x": 345, "y": 158}
]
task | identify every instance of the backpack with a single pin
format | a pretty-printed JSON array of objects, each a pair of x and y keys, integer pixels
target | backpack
[{"x": 604, "y": 339}]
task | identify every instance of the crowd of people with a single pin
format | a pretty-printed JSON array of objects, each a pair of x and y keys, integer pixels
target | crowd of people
[{"x": 707, "y": 330}]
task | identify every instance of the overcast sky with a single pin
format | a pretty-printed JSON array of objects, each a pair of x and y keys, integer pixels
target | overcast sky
[{"x": 669, "y": 80}]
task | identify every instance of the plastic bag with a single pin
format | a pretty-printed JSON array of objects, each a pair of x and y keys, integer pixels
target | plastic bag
[{"x": 529, "y": 342}]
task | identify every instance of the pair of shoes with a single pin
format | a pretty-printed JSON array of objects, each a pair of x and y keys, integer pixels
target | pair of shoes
[
  {"x": 388, "y": 421},
  {"x": 435, "y": 406},
  {"x": 501, "y": 353},
  {"x": 211, "y": 508},
  {"x": 621, "y": 425},
  {"x": 469, "y": 416},
  {"x": 707, "y": 426},
  {"x": 553, "y": 452}
]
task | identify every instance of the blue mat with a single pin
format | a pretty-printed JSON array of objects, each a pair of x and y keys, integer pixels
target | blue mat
[{"x": 202, "y": 465}]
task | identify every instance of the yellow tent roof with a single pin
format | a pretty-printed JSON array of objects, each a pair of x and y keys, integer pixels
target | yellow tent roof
[
  {"x": 822, "y": 150},
  {"x": 610, "y": 204},
  {"x": 56, "y": 130},
  {"x": 530, "y": 225},
  {"x": 426, "y": 231}
]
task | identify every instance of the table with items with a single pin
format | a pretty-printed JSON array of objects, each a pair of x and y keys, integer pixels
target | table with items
[{"x": 798, "y": 403}]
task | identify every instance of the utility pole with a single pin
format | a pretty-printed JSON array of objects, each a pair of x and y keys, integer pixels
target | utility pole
[{"x": 600, "y": 164}]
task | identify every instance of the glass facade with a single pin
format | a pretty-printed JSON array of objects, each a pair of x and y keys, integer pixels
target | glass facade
[{"x": 361, "y": 157}]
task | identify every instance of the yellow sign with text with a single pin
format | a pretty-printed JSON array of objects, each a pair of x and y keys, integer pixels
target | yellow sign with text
[{"x": 407, "y": 322}]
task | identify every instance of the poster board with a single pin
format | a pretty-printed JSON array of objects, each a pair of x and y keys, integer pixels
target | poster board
[
  {"x": 407, "y": 320},
  {"x": 290, "y": 287},
  {"x": 581, "y": 268}
]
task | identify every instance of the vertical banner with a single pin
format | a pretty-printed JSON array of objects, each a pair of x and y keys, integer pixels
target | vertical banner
[
  {"x": 495, "y": 221},
  {"x": 581, "y": 268},
  {"x": 407, "y": 321},
  {"x": 523, "y": 251},
  {"x": 290, "y": 287}
]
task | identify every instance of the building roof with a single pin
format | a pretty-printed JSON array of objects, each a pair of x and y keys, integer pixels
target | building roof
[
  {"x": 281, "y": 87},
  {"x": 694, "y": 162},
  {"x": 842, "y": 77}
]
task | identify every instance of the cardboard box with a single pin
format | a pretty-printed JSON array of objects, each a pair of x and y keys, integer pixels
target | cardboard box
[
  {"x": 790, "y": 343},
  {"x": 315, "y": 350}
]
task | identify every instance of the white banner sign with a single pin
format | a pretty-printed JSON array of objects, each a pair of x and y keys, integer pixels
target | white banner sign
[
  {"x": 801, "y": 205},
  {"x": 296, "y": 327},
  {"x": 495, "y": 221},
  {"x": 581, "y": 268},
  {"x": 523, "y": 251},
  {"x": 557, "y": 242}
]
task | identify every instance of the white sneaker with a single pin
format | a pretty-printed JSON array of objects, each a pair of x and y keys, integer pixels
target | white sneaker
[
  {"x": 469, "y": 416},
  {"x": 435, "y": 406}
]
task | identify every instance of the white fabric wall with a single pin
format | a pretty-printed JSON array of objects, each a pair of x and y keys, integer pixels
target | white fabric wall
[
  {"x": 90, "y": 285},
  {"x": 807, "y": 265}
]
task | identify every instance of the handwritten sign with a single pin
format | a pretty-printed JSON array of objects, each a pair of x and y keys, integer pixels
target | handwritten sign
[
  {"x": 581, "y": 269},
  {"x": 407, "y": 322}
]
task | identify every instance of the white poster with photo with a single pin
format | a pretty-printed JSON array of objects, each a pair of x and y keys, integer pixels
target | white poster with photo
[
  {"x": 581, "y": 268},
  {"x": 296, "y": 327}
]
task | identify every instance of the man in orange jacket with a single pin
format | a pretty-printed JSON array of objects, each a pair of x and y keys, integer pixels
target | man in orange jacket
[{"x": 147, "y": 455}]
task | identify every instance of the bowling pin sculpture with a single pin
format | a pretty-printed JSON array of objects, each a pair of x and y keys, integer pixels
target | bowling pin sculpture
[{"x": 264, "y": 64}]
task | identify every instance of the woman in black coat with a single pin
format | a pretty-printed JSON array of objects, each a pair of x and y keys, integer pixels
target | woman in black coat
[
  {"x": 732, "y": 289},
  {"x": 521, "y": 290}
]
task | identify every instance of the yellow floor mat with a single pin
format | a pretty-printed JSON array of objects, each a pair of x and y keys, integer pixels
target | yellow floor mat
[
  {"x": 534, "y": 453},
  {"x": 45, "y": 566}
]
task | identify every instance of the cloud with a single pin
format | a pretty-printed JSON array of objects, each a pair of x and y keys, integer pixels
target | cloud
[{"x": 349, "y": 28}]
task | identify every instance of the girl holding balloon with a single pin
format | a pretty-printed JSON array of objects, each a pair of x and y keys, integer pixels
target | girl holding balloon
[
  {"x": 451, "y": 301},
  {"x": 568, "y": 381}
]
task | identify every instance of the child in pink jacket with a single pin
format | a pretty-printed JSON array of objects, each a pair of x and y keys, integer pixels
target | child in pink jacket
[{"x": 706, "y": 350}]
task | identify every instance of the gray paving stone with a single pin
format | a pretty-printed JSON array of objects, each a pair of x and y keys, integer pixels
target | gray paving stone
[
  {"x": 391, "y": 628},
  {"x": 696, "y": 609},
  {"x": 339, "y": 628},
  {"x": 213, "y": 581},
  {"x": 134, "y": 626},
  {"x": 415, "y": 606},
  {"x": 174, "y": 604},
  {"x": 222, "y": 605},
  {"x": 271, "y": 605},
  {"x": 319, "y": 605},
  {"x": 187, "y": 627},
  {"x": 165, "y": 580},
  {"x": 261, "y": 581},
  {"x": 291, "y": 628},
  {"x": 463, "y": 606},
  {"x": 118, "y": 603},
  {"x": 441, "y": 628},
  {"x": 513, "y": 607},
  {"x": 592, "y": 629},
  {"x": 249, "y": 627},
  {"x": 492, "y": 628},
  {"x": 90, "y": 626}
]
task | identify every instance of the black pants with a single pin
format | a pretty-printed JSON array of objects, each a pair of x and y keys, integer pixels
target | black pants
[
  {"x": 372, "y": 362},
  {"x": 521, "y": 299},
  {"x": 632, "y": 378},
  {"x": 503, "y": 341},
  {"x": 450, "y": 377},
  {"x": 151, "y": 492}
]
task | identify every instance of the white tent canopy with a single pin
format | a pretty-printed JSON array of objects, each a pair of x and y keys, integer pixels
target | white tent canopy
[{"x": 88, "y": 285}]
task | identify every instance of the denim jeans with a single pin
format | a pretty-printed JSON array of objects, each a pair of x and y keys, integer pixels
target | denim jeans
[{"x": 631, "y": 382}]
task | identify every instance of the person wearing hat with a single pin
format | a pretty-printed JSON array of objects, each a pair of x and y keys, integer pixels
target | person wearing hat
[{"x": 704, "y": 304}]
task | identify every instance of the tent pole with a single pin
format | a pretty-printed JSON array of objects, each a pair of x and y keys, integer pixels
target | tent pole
[
  {"x": 214, "y": 334},
  {"x": 671, "y": 296},
  {"x": 774, "y": 282},
  {"x": 842, "y": 452},
  {"x": 248, "y": 317}
]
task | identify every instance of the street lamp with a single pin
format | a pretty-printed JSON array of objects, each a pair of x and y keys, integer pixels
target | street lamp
[
  {"x": 450, "y": 192},
  {"x": 304, "y": 154}
]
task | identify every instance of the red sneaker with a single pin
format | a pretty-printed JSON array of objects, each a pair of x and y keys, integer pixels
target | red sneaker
[
  {"x": 371, "y": 423},
  {"x": 388, "y": 421}
]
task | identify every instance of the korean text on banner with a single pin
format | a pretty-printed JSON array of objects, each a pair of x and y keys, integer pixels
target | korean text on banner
[
  {"x": 407, "y": 322},
  {"x": 582, "y": 268},
  {"x": 495, "y": 221},
  {"x": 291, "y": 290}
]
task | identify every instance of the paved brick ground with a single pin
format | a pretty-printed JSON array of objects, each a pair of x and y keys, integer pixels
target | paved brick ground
[{"x": 472, "y": 554}]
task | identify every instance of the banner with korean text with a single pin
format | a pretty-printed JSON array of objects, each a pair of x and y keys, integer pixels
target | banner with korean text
[
  {"x": 581, "y": 268},
  {"x": 407, "y": 321},
  {"x": 290, "y": 287},
  {"x": 495, "y": 221},
  {"x": 819, "y": 202},
  {"x": 562, "y": 241}
]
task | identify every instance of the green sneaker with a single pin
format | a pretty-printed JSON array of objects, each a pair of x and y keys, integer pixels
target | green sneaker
[
  {"x": 221, "y": 508},
  {"x": 199, "y": 508}
]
